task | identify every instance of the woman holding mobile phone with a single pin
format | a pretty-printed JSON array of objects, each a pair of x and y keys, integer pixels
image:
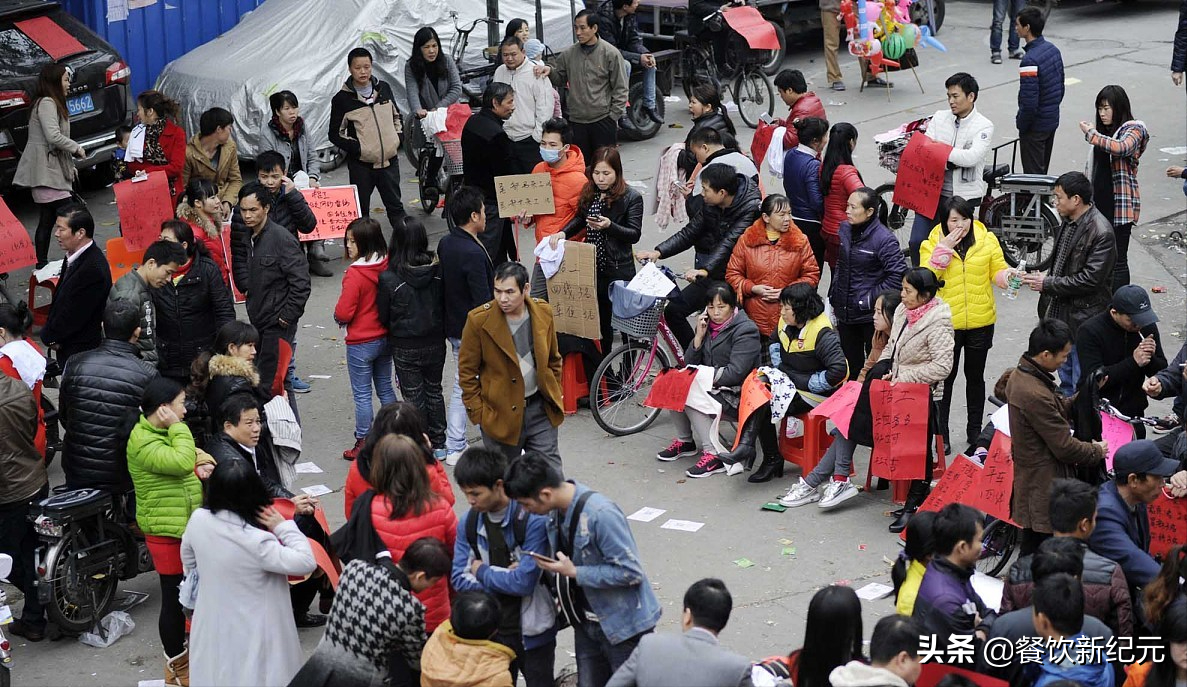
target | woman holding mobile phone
[{"x": 610, "y": 215}]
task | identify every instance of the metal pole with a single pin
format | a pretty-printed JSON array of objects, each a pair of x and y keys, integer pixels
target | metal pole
[
  {"x": 540, "y": 20},
  {"x": 492, "y": 29},
  {"x": 573, "y": 18}
]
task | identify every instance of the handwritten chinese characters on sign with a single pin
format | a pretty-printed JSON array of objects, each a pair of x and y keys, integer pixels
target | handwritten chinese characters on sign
[
  {"x": 900, "y": 429},
  {"x": 16, "y": 251},
  {"x": 142, "y": 205},
  {"x": 1117, "y": 433},
  {"x": 573, "y": 293},
  {"x": 335, "y": 207},
  {"x": 527, "y": 193},
  {"x": 920, "y": 176},
  {"x": 839, "y": 406},
  {"x": 1168, "y": 524},
  {"x": 996, "y": 488}
]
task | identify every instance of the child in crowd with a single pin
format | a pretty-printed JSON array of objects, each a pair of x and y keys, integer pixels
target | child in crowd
[
  {"x": 462, "y": 651},
  {"x": 119, "y": 168}
]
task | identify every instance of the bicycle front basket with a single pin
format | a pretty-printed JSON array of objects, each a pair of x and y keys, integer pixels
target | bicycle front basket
[{"x": 634, "y": 314}]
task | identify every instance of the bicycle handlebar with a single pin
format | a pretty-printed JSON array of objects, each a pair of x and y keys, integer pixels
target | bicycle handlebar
[{"x": 474, "y": 24}]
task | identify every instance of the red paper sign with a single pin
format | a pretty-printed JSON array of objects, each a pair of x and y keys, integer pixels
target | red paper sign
[
  {"x": 839, "y": 406},
  {"x": 754, "y": 27},
  {"x": 16, "y": 250},
  {"x": 1168, "y": 524},
  {"x": 900, "y": 429},
  {"x": 921, "y": 174},
  {"x": 996, "y": 487},
  {"x": 932, "y": 673},
  {"x": 142, "y": 206},
  {"x": 669, "y": 391},
  {"x": 960, "y": 484},
  {"x": 1117, "y": 433},
  {"x": 335, "y": 207},
  {"x": 225, "y": 237},
  {"x": 53, "y": 39}
]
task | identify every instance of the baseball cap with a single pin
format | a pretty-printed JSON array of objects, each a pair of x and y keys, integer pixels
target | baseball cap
[
  {"x": 1142, "y": 457},
  {"x": 1132, "y": 300}
]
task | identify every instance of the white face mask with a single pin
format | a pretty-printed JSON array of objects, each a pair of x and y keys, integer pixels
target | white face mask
[{"x": 550, "y": 155}]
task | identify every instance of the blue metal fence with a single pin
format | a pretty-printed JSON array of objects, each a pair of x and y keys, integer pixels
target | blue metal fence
[{"x": 156, "y": 34}]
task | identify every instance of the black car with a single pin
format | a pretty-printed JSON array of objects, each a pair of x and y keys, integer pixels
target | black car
[{"x": 98, "y": 99}]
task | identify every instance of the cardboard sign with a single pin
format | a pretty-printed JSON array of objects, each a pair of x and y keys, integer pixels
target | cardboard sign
[
  {"x": 16, "y": 250},
  {"x": 900, "y": 429},
  {"x": 921, "y": 175},
  {"x": 335, "y": 207},
  {"x": 573, "y": 293},
  {"x": 1117, "y": 433},
  {"x": 528, "y": 193},
  {"x": 839, "y": 406},
  {"x": 996, "y": 487},
  {"x": 1168, "y": 524},
  {"x": 669, "y": 391},
  {"x": 143, "y": 204}
]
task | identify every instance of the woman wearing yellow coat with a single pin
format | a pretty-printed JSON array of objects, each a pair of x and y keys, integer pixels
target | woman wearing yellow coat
[{"x": 969, "y": 259}]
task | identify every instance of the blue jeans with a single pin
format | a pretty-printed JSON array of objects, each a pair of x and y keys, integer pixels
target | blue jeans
[
  {"x": 1001, "y": 10},
  {"x": 1069, "y": 373},
  {"x": 368, "y": 363},
  {"x": 455, "y": 414},
  {"x": 648, "y": 84},
  {"x": 597, "y": 658}
]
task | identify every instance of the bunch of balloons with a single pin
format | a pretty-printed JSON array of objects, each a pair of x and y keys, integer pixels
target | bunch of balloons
[{"x": 883, "y": 41}]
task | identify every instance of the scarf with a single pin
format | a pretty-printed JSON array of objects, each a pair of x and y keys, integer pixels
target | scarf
[
  {"x": 715, "y": 329},
  {"x": 154, "y": 154},
  {"x": 182, "y": 271},
  {"x": 917, "y": 314}
]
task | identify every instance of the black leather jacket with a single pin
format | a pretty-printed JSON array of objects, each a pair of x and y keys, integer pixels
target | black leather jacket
[
  {"x": 1079, "y": 283},
  {"x": 713, "y": 232},
  {"x": 626, "y": 226}
]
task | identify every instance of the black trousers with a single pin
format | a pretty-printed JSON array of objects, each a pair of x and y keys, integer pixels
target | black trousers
[
  {"x": 536, "y": 664},
  {"x": 1029, "y": 541},
  {"x": 386, "y": 179},
  {"x": 856, "y": 342},
  {"x": 589, "y": 137},
  {"x": 497, "y": 236},
  {"x": 171, "y": 621},
  {"x": 976, "y": 344},
  {"x": 624, "y": 272},
  {"x": 268, "y": 355},
  {"x": 1036, "y": 148},
  {"x": 527, "y": 152},
  {"x": 47, "y": 214},
  {"x": 19, "y": 540},
  {"x": 1121, "y": 269},
  {"x": 690, "y": 300},
  {"x": 815, "y": 239}
]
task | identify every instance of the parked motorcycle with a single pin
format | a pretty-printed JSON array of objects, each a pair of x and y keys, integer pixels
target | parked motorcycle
[
  {"x": 5, "y": 618},
  {"x": 88, "y": 544}
]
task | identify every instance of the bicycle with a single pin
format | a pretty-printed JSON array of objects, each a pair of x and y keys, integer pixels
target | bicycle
[
  {"x": 1017, "y": 207},
  {"x": 474, "y": 79},
  {"x": 438, "y": 166},
  {"x": 622, "y": 381},
  {"x": 753, "y": 92}
]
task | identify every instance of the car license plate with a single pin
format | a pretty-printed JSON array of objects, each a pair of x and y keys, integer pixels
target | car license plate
[{"x": 80, "y": 104}]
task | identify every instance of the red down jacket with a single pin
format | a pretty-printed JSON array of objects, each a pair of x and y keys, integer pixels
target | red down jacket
[{"x": 438, "y": 522}]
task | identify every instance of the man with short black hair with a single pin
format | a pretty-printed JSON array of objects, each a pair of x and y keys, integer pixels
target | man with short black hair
[
  {"x": 161, "y": 259},
  {"x": 1073, "y": 517},
  {"x": 793, "y": 90},
  {"x": 1040, "y": 429},
  {"x": 947, "y": 604},
  {"x": 1059, "y": 618},
  {"x": 1079, "y": 283},
  {"x": 509, "y": 367},
  {"x": 462, "y": 651},
  {"x": 731, "y": 204},
  {"x": 534, "y": 101},
  {"x": 489, "y": 556},
  {"x": 468, "y": 283},
  {"x": 594, "y": 73},
  {"x": 488, "y": 153},
  {"x": 211, "y": 154},
  {"x": 1040, "y": 91},
  {"x": 706, "y": 145},
  {"x": 693, "y": 657},
  {"x": 289, "y": 209},
  {"x": 894, "y": 657},
  {"x": 73, "y": 325},
  {"x": 595, "y": 549},
  {"x": 1122, "y": 531}
]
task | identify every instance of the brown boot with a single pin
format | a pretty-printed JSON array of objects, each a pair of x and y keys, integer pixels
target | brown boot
[{"x": 177, "y": 669}]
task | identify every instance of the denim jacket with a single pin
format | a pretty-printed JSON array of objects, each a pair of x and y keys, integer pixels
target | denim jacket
[{"x": 609, "y": 571}]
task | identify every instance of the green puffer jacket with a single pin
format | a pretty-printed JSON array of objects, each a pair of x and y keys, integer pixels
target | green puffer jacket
[{"x": 161, "y": 462}]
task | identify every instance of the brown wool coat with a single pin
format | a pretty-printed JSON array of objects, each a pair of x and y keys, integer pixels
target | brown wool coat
[{"x": 227, "y": 178}]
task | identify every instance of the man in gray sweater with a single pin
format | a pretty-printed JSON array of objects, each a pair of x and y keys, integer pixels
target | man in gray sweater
[{"x": 596, "y": 78}]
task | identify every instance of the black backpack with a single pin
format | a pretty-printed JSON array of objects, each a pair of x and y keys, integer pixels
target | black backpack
[{"x": 519, "y": 528}]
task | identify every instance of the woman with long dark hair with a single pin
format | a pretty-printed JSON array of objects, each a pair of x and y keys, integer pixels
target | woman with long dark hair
[
  {"x": 243, "y": 551},
  {"x": 610, "y": 214},
  {"x": 1118, "y": 141},
  {"x": 202, "y": 209},
  {"x": 47, "y": 163},
  {"x": 801, "y": 182},
  {"x": 911, "y": 563},
  {"x": 519, "y": 28},
  {"x": 430, "y": 75},
  {"x": 411, "y": 308},
  {"x": 838, "y": 180},
  {"x": 404, "y": 419},
  {"x": 832, "y": 638},
  {"x": 157, "y": 143},
  {"x": 1171, "y": 671},
  {"x": 968, "y": 257},
  {"x": 708, "y": 111}
]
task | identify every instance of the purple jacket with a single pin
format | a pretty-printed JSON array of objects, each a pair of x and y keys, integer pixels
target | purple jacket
[
  {"x": 867, "y": 265},
  {"x": 947, "y": 604}
]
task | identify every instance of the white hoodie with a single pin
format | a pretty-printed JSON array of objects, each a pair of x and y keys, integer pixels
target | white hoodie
[{"x": 858, "y": 674}]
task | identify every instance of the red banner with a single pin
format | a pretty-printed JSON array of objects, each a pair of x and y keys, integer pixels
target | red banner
[
  {"x": 996, "y": 487},
  {"x": 143, "y": 204},
  {"x": 920, "y": 175},
  {"x": 960, "y": 484},
  {"x": 669, "y": 391},
  {"x": 752, "y": 26},
  {"x": 225, "y": 238},
  {"x": 16, "y": 250},
  {"x": 335, "y": 207},
  {"x": 900, "y": 429},
  {"x": 1117, "y": 433},
  {"x": 839, "y": 406},
  {"x": 1168, "y": 524}
]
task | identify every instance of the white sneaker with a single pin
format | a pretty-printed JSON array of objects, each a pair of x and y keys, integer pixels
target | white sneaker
[
  {"x": 800, "y": 495},
  {"x": 836, "y": 493},
  {"x": 452, "y": 459},
  {"x": 732, "y": 469}
]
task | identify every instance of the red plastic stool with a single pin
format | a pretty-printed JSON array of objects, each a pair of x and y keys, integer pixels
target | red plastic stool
[
  {"x": 574, "y": 385},
  {"x": 807, "y": 450},
  {"x": 41, "y": 313}
]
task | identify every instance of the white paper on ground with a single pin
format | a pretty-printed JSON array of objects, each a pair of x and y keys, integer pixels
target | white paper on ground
[
  {"x": 651, "y": 282},
  {"x": 1001, "y": 419},
  {"x": 990, "y": 589},
  {"x": 317, "y": 490},
  {"x": 874, "y": 591},
  {"x": 646, "y": 514},
  {"x": 307, "y": 468},
  {"x": 151, "y": 683},
  {"x": 317, "y": 376},
  {"x": 682, "y": 525}
]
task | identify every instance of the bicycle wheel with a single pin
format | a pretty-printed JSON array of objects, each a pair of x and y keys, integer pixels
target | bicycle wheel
[
  {"x": 1037, "y": 253},
  {"x": 997, "y": 547},
  {"x": 426, "y": 186},
  {"x": 80, "y": 594},
  {"x": 754, "y": 95},
  {"x": 414, "y": 140},
  {"x": 621, "y": 384},
  {"x": 895, "y": 217},
  {"x": 696, "y": 66}
]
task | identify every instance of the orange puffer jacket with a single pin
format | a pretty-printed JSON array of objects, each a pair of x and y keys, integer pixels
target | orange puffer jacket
[
  {"x": 756, "y": 260},
  {"x": 567, "y": 182}
]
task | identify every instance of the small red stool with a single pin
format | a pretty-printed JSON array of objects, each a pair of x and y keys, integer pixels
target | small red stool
[
  {"x": 574, "y": 385},
  {"x": 807, "y": 450},
  {"x": 41, "y": 313}
]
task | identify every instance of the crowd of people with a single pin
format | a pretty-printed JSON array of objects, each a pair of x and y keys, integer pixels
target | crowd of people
[{"x": 166, "y": 395}]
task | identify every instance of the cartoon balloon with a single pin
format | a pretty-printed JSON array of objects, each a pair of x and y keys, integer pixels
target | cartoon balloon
[{"x": 930, "y": 40}]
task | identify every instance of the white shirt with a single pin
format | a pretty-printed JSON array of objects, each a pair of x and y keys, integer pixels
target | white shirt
[
  {"x": 533, "y": 101},
  {"x": 74, "y": 256}
]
